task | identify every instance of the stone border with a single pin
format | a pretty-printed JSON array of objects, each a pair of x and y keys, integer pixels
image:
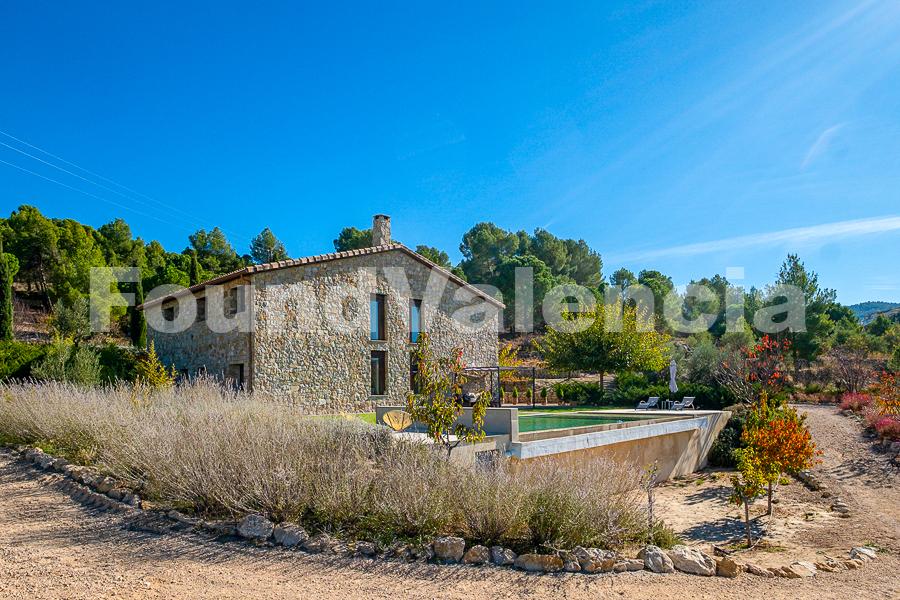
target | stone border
[{"x": 91, "y": 488}]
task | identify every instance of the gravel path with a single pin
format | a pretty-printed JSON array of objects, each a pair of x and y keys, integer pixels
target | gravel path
[{"x": 52, "y": 547}]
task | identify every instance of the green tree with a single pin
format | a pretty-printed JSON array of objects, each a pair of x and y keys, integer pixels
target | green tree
[
  {"x": 119, "y": 248},
  {"x": 214, "y": 253},
  {"x": 78, "y": 251},
  {"x": 194, "y": 272},
  {"x": 585, "y": 265},
  {"x": 437, "y": 399},
  {"x": 820, "y": 302},
  {"x": 351, "y": 238},
  {"x": 71, "y": 320},
  {"x": 138, "y": 321},
  {"x": 151, "y": 372},
  {"x": 623, "y": 278},
  {"x": 266, "y": 248},
  {"x": 591, "y": 342},
  {"x": 438, "y": 257},
  {"x": 6, "y": 296},
  {"x": 33, "y": 239},
  {"x": 879, "y": 325},
  {"x": 483, "y": 248},
  {"x": 661, "y": 285},
  {"x": 505, "y": 280}
]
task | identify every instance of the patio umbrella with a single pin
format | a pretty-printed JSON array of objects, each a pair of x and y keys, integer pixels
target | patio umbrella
[{"x": 673, "y": 368}]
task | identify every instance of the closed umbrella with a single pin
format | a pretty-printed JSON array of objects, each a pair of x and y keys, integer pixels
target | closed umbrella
[{"x": 673, "y": 368}]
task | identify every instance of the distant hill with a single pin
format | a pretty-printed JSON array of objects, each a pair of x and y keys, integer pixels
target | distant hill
[{"x": 867, "y": 311}]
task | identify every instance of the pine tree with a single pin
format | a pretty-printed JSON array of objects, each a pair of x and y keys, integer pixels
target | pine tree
[
  {"x": 6, "y": 298},
  {"x": 194, "y": 273},
  {"x": 138, "y": 320}
]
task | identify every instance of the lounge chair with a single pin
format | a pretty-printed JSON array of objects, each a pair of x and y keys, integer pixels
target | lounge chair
[
  {"x": 648, "y": 404},
  {"x": 686, "y": 402}
]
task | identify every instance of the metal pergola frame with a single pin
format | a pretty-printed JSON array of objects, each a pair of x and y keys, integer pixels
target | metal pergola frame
[{"x": 495, "y": 392}]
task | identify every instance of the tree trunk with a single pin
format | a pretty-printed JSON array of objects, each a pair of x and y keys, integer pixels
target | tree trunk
[
  {"x": 769, "y": 512},
  {"x": 747, "y": 523},
  {"x": 602, "y": 391}
]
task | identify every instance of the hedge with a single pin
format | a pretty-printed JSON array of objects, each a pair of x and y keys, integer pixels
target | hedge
[{"x": 17, "y": 358}]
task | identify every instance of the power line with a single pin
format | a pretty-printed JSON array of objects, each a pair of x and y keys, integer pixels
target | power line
[
  {"x": 97, "y": 175},
  {"x": 102, "y": 199}
]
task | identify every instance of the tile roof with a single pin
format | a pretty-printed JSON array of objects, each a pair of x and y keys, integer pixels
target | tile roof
[{"x": 320, "y": 258}]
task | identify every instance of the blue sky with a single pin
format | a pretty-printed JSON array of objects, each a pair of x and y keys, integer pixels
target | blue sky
[{"x": 684, "y": 137}]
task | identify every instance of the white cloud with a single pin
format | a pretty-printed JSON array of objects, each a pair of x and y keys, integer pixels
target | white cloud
[
  {"x": 821, "y": 145},
  {"x": 798, "y": 236}
]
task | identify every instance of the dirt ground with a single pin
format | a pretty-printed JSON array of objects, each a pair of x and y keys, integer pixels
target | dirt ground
[
  {"x": 802, "y": 527},
  {"x": 52, "y": 547}
]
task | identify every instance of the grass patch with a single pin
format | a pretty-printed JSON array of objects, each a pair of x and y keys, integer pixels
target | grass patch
[{"x": 221, "y": 454}]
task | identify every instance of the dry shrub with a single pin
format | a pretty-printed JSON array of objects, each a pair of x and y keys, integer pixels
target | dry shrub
[{"x": 226, "y": 454}]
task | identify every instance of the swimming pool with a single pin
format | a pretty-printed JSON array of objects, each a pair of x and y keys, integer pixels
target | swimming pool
[{"x": 547, "y": 421}]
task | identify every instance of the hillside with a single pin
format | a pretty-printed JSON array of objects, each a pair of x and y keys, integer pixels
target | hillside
[{"x": 867, "y": 311}]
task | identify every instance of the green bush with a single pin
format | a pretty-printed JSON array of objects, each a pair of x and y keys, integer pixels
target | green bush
[
  {"x": 17, "y": 358},
  {"x": 65, "y": 361},
  {"x": 721, "y": 454},
  {"x": 579, "y": 392},
  {"x": 632, "y": 388},
  {"x": 117, "y": 363}
]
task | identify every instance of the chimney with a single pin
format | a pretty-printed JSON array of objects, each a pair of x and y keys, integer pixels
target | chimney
[{"x": 381, "y": 230}]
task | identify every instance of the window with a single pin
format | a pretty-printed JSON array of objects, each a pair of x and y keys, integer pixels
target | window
[
  {"x": 413, "y": 374},
  {"x": 201, "y": 309},
  {"x": 379, "y": 372},
  {"x": 170, "y": 312},
  {"x": 415, "y": 320},
  {"x": 234, "y": 301},
  {"x": 376, "y": 317},
  {"x": 234, "y": 376}
]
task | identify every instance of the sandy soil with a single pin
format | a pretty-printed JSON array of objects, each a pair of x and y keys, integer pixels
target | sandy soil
[{"x": 52, "y": 547}]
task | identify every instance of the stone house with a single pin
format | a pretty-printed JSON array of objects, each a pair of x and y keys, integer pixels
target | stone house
[{"x": 333, "y": 332}]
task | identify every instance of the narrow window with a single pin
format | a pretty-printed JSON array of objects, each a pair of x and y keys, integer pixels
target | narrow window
[
  {"x": 413, "y": 374},
  {"x": 376, "y": 316},
  {"x": 234, "y": 302},
  {"x": 235, "y": 376},
  {"x": 415, "y": 320},
  {"x": 201, "y": 309},
  {"x": 379, "y": 372},
  {"x": 169, "y": 312}
]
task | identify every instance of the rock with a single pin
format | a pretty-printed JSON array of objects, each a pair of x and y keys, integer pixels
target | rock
[
  {"x": 104, "y": 485},
  {"x": 183, "y": 518},
  {"x": 826, "y": 567},
  {"x": 758, "y": 571},
  {"x": 255, "y": 527},
  {"x": 401, "y": 551},
  {"x": 571, "y": 566},
  {"x": 449, "y": 549},
  {"x": 621, "y": 567},
  {"x": 477, "y": 555},
  {"x": 689, "y": 560},
  {"x": 44, "y": 461},
  {"x": 59, "y": 465},
  {"x": 799, "y": 570},
  {"x": 656, "y": 560},
  {"x": 317, "y": 544},
  {"x": 116, "y": 494},
  {"x": 366, "y": 549},
  {"x": 289, "y": 535},
  {"x": 853, "y": 563},
  {"x": 634, "y": 564},
  {"x": 502, "y": 557},
  {"x": 727, "y": 567},
  {"x": 863, "y": 553},
  {"x": 539, "y": 563},
  {"x": 594, "y": 560}
]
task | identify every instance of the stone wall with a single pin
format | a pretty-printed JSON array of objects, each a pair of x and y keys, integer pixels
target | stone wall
[
  {"x": 312, "y": 344},
  {"x": 199, "y": 349}
]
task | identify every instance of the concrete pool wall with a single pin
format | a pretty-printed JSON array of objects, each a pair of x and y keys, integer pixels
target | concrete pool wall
[{"x": 677, "y": 441}]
